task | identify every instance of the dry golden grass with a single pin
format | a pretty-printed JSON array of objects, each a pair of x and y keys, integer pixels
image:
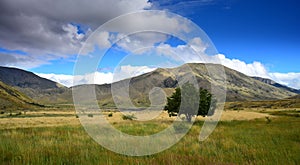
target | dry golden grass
[
  {"x": 8, "y": 123},
  {"x": 57, "y": 118}
]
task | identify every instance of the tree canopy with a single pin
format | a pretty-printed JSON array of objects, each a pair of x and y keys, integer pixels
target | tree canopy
[{"x": 189, "y": 101}]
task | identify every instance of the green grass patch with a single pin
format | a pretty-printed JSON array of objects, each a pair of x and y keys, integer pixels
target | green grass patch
[
  {"x": 292, "y": 113},
  {"x": 235, "y": 142}
]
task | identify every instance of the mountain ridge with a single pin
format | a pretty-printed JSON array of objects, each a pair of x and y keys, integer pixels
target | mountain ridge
[
  {"x": 38, "y": 88},
  {"x": 278, "y": 85},
  {"x": 12, "y": 99},
  {"x": 240, "y": 87}
]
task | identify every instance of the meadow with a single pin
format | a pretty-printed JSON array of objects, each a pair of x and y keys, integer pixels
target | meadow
[{"x": 58, "y": 138}]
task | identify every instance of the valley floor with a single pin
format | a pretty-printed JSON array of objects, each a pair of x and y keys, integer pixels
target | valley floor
[{"x": 249, "y": 136}]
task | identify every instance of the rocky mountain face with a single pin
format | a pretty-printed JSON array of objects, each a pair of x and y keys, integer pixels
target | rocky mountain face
[
  {"x": 11, "y": 99},
  {"x": 35, "y": 87},
  {"x": 275, "y": 84}
]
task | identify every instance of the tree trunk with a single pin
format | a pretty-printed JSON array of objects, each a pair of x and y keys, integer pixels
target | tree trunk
[{"x": 188, "y": 118}]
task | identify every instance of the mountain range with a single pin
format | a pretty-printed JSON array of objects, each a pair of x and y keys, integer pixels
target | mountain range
[
  {"x": 240, "y": 87},
  {"x": 275, "y": 84}
]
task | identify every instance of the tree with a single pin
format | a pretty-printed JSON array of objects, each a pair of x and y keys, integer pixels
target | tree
[
  {"x": 205, "y": 103},
  {"x": 173, "y": 102},
  {"x": 185, "y": 102}
]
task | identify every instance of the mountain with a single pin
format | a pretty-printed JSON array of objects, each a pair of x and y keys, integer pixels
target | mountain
[
  {"x": 275, "y": 84},
  {"x": 12, "y": 99},
  {"x": 240, "y": 87},
  {"x": 37, "y": 88}
]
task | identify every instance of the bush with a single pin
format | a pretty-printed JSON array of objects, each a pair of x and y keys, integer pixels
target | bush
[
  {"x": 128, "y": 117},
  {"x": 90, "y": 115},
  {"x": 110, "y": 114},
  {"x": 2, "y": 112}
]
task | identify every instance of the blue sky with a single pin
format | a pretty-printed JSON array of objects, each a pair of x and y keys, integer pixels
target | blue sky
[
  {"x": 249, "y": 31},
  {"x": 265, "y": 31}
]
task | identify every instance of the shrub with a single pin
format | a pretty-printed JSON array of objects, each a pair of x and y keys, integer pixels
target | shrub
[
  {"x": 90, "y": 115},
  {"x": 268, "y": 119},
  {"x": 110, "y": 114},
  {"x": 128, "y": 117}
]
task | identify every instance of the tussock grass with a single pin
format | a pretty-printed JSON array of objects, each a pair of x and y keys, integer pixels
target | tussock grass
[{"x": 236, "y": 142}]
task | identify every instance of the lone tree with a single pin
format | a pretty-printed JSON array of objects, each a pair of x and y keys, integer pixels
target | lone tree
[{"x": 185, "y": 101}]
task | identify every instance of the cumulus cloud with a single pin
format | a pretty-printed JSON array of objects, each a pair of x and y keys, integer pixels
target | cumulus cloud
[
  {"x": 20, "y": 61},
  {"x": 51, "y": 30},
  {"x": 128, "y": 71},
  {"x": 134, "y": 31},
  {"x": 134, "y": 42},
  {"x": 290, "y": 79},
  {"x": 121, "y": 73},
  {"x": 66, "y": 80}
]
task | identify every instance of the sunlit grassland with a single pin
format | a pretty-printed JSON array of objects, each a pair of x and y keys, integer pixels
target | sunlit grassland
[{"x": 238, "y": 142}]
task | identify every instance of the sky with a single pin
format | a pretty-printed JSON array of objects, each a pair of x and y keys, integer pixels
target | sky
[{"x": 257, "y": 38}]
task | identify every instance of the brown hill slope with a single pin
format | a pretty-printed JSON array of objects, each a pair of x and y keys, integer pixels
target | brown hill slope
[
  {"x": 12, "y": 99},
  {"x": 35, "y": 87}
]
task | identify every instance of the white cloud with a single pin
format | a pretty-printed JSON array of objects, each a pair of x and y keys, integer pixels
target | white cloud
[
  {"x": 127, "y": 71},
  {"x": 135, "y": 42},
  {"x": 97, "y": 77},
  {"x": 66, "y": 80},
  {"x": 135, "y": 31},
  {"x": 250, "y": 69},
  {"x": 93, "y": 78},
  {"x": 289, "y": 79}
]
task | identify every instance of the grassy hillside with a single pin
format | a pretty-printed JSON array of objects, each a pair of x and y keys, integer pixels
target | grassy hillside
[
  {"x": 295, "y": 97},
  {"x": 11, "y": 99},
  {"x": 35, "y": 87}
]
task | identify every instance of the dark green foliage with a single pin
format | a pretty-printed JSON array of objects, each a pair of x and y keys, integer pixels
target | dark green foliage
[
  {"x": 185, "y": 102},
  {"x": 128, "y": 117},
  {"x": 90, "y": 115},
  {"x": 206, "y": 102},
  {"x": 173, "y": 103},
  {"x": 110, "y": 114},
  {"x": 189, "y": 101}
]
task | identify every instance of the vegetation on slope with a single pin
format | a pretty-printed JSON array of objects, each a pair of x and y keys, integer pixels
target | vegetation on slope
[{"x": 11, "y": 99}]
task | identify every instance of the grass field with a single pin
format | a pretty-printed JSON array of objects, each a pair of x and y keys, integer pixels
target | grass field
[{"x": 262, "y": 139}]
